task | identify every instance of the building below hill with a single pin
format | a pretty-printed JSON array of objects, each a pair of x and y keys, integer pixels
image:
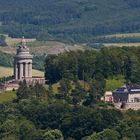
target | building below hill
[
  {"x": 22, "y": 69},
  {"x": 127, "y": 96},
  {"x": 127, "y": 93},
  {"x": 108, "y": 97}
]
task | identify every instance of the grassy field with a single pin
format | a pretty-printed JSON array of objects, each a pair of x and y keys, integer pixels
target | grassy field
[
  {"x": 121, "y": 35},
  {"x": 54, "y": 47},
  {"x": 39, "y": 47},
  {"x": 14, "y": 41},
  {"x": 121, "y": 44},
  {"x": 126, "y": 35},
  {"x": 113, "y": 83},
  {"x": 7, "y": 96},
  {"x": 51, "y": 47},
  {"x": 5, "y": 71}
]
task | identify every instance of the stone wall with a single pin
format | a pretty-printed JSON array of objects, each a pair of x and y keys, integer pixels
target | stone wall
[
  {"x": 131, "y": 97},
  {"x": 135, "y": 106}
]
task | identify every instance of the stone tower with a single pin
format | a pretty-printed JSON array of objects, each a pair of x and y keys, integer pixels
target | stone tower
[{"x": 23, "y": 63}]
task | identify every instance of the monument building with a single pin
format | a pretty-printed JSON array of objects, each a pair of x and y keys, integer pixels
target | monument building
[
  {"x": 23, "y": 63},
  {"x": 22, "y": 69}
]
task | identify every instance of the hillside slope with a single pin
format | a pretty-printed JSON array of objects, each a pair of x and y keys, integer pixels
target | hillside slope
[{"x": 68, "y": 21}]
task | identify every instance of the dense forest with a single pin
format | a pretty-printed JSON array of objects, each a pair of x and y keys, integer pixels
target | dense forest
[
  {"x": 40, "y": 114},
  {"x": 85, "y": 65},
  {"x": 68, "y": 21},
  {"x": 69, "y": 106},
  {"x": 108, "y": 62},
  {"x": 74, "y": 111}
]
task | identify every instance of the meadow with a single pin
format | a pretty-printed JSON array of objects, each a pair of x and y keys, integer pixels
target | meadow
[
  {"x": 7, "y": 96},
  {"x": 121, "y": 35},
  {"x": 121, "y": 44},
  {"x": 114, "y": 83},
  {"x": 39, "y": 47},
  {"x": 7, "y": 71}
]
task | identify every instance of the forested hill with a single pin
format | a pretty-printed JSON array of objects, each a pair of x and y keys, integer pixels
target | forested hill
[{"x": 69, "y": 20}]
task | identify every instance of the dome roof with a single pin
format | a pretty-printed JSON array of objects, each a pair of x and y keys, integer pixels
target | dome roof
[{"x": 23, "y": 50}]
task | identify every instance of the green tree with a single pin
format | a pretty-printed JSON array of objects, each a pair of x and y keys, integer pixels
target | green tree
[
  {"x": 65, "y": 87},
  {"x": 23, "y": 91},
  {"x": 52, "y": 69},
  {"x": 135, "y": 69},
  {"x": 26, "y": 129},
  {"x": 7, "y": 128},
  {"x": 78, "y": 94},
  {"x": 97, "y": 89},
  {"x": 107, "y": 134},
  {"x": 40, "y": 91},
  {"x": 50, "y": 92},
  {"x": 53, "y": 135}
]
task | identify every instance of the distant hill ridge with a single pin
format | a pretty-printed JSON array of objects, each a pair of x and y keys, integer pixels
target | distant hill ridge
[{"x": 68, "y": 21}]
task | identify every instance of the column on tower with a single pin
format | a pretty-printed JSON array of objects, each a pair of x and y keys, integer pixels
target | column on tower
[
  {"x": 15, "y": 71},
  {"x": 30, "y": 70},
  {"x": 26, "y": 70},
  {"x": 20, "y": 71}
]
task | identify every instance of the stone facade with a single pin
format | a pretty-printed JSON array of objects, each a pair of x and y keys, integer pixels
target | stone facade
[
  {"x": 135, "y": 105},
  {"x": 23, "y": 63},
  {"x": 127, "y": 96},
  {"x": 135, "y": 97},
  {"x": 9, "y": 86}
]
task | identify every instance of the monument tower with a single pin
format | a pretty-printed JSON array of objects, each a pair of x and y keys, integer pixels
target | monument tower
[
  {"x": 22, "y": 69},
  {"x": 23, "y": 63}
]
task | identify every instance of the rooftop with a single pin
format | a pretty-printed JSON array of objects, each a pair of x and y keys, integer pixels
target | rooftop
[{"x": 128, "y": 88}]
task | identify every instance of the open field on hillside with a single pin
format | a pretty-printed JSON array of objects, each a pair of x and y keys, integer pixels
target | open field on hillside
[
  {"x": 120, "y": 40},
  {"x": 39, "y": 47},
  {"x": 113, "y": 83},
  {"x": 7, "y": 96},
  {"x": 49, "y": 47},
  {"x": 6, "y": 71},
  {"x": 121, "y": 44},
  {"x": 121, "y": 35},
  {"x": 14, "y": 41},
  {"x": 52, "y": 47}
]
